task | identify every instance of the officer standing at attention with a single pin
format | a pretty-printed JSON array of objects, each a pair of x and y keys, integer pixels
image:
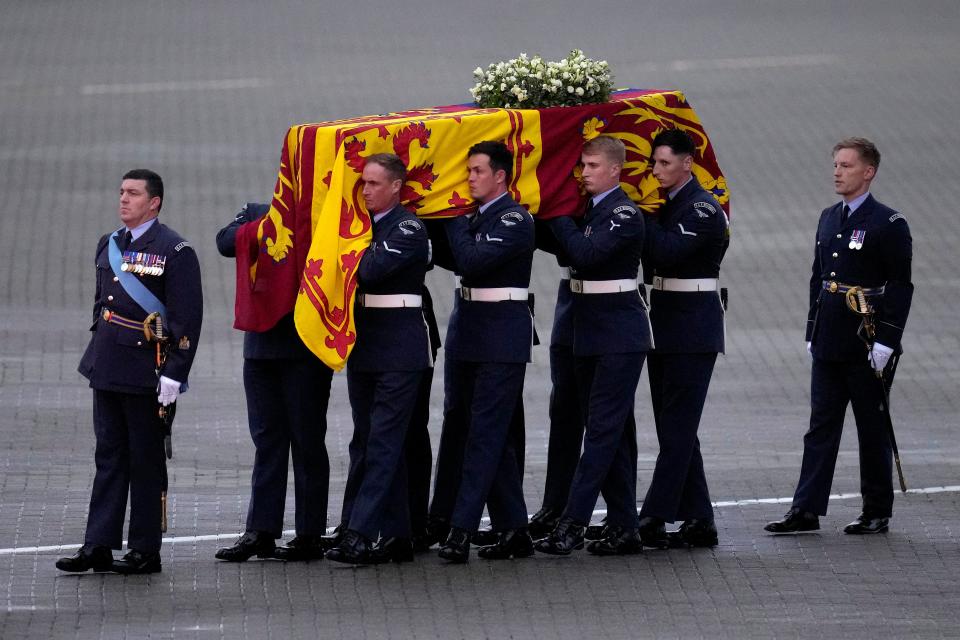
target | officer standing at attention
[
  {"x": 288, "y": 390},
  {"x": 860, "y": 242},
  {"x": 489, "y": 340},
  {"x": 611, "y": 335},
  {"x": 686, "y": 242},
  {"x": 142, "y": 268},
  {"x": 385, "y": 368}
]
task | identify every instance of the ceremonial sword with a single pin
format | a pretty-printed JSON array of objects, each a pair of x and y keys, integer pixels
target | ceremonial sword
[{"x": 857, "y": 302}]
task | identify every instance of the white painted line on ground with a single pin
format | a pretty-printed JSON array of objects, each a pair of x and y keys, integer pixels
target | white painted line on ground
[
  {"x": 183, "y": 85},
  {"x": 599, "y": 512}
]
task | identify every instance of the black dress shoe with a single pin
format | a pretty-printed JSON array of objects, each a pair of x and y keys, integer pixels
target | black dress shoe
[
  {"x": 485, "y": 537},
  {"x": 137, "y": 562},
  {"x": 456, "y": 549},
  {"x": 251, "y": 543},
  {"x": 696, "y": 532},
  {"x": 301, "y": 548},
  {"x": 865, "y": 524},
  {"x": 392, "y": 550},
  {"x": 353, "y": 549},
  {"x": 565, "y": 538},
  {"x": 88, "y": 557},
  {"x": 422, "y": 541},
  {"x": 334, "y": 539},
  {"x": 620, "y": 541},
  {"x": 543, "y": 522},
  {"x": 515, "y": 543},
  {"x": 437, "y": 531},
  {"x": 653, "y": 533},
  {"x": 596, "y": 532},
  {"x": 795, "y": 521}
]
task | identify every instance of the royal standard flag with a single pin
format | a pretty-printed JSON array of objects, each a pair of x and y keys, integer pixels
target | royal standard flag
[{"x": 303, "y": 255}]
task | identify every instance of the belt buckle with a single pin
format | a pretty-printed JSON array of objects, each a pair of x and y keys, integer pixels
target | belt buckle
[
  {"x": 465, "y": 293},
  {"x": 657, "y": 282},
  {"x": 576, "y": 286},
  {"x": 832, "y": 286},
  {"x": 107, "y": 315}
]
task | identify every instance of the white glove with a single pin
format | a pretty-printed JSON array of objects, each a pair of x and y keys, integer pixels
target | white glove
[
  {"x": 168, "y": 391},
  {"x": 810, "y": 348},
  {"x": 879, "y": 356}
]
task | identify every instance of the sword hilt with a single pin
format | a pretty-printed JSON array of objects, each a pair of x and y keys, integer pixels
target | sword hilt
[{"x": 153, "y": 328}]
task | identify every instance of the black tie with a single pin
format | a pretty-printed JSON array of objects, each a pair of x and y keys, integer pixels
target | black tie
[
  {"x": 844, "y": 214},
  {"x": 589, "y": 207}
]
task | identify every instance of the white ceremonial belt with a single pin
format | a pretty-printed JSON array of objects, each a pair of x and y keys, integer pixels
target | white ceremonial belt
[
  {"x": 390, "y": 301},
  {"x": 603, "y": 286},
  {"x": 686, "y": 285},
  {"x": 494, "y": 294},
  {"x": 564, "y": 273}
]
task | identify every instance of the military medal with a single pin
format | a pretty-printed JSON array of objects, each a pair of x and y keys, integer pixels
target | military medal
[{"x": 856, "y": 239}]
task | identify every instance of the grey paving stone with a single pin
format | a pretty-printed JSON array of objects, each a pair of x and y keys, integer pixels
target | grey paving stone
[{"x": 203, "y": 92}]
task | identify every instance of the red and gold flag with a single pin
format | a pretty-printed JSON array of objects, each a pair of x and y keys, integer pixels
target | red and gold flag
[{"x": 303, "y": 254}]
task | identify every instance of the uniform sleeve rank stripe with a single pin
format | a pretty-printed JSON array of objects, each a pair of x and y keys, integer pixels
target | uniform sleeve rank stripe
[
  {"x": 685, "y": 232},
  {"x": 896, "y": 216},
  {"x": 181, "y": 246},
  {"x": 511, "y": 218}
]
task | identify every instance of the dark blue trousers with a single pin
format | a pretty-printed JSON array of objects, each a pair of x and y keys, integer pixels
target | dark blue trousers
[
  {"x": 833, "y": 386},
  {"x": 287, "y": 413},
  {"x": 382, "y": 404},
  {"x": 419, "y": 455},
  {"x": 130, "y": 459},
  {"x": 487, "y": 395},
  {"x": 678, "y": 390},
  {"x": 566, "y": 429},
  {"x": 450, "y": 454},
  {"x": 608, "y": 385}
]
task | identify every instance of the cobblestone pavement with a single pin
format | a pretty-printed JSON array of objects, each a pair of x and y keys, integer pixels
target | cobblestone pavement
[{"x": 203, "y": 93}]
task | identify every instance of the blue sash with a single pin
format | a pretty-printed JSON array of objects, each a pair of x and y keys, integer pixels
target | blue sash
[
  {"x": 134, "y": 288},
  {"x": 131, "y": 284}
]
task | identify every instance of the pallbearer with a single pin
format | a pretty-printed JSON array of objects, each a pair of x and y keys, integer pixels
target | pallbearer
[
  {"x": 385, "y": 369},
  {"x": 686, "y": 242},
  {"x": 488, "y": 345},
  {"x": 288, "y": 390},
  {"x": 610, "y": 338}
]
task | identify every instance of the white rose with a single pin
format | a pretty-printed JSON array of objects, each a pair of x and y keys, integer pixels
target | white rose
[
  {"x": 579, "y": 91},
  {"x": 570, "y": 89}
]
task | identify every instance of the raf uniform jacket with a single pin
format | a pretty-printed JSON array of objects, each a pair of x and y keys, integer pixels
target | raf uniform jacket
[
  {"x": 493, "y": 249},
  {"x": 605, "y": 245},
  {"x": 880, "y": 257},
  {"x": 121, "y": 359},
  {"x": 282, "y": 341},
  {"x": 686, "y": 240},
  {"x": 392, "y": 338}
]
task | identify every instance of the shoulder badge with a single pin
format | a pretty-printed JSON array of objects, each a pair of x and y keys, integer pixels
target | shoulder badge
[
  {"x": 181, "y": 246},
  {"x": 409, "y": 227},
  {"x": 511, "y": 218},
  {"x": 704, "y": 209},
  {"x": 897, "y": 216},
  {"x": 625, "y": 211}
]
